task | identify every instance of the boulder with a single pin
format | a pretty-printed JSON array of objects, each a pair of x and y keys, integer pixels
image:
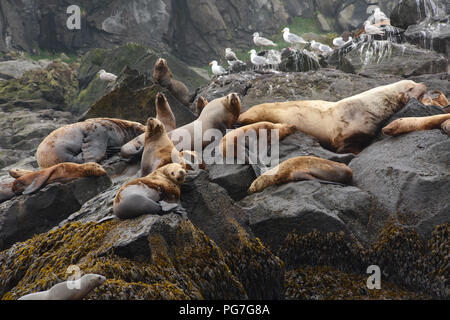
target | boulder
[
  {"x": 298, "y": 61},
  {"x": 435, "y": 82},
  {"x": 15, "y": 69},
  {"x": 410, "y": 12},
  {"x": 408, "y": 176},
  {"x": 24, "y": 216}
]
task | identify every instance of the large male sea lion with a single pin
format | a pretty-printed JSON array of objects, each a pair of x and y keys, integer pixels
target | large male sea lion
[
  {"x": 148, "y": 195},
  {"x": 164, "y": 112},
  {"x": 344, "y": 126},
  {"x": 406, "y": 125},
  {"x": 220, "y": 114},
  {"x": 159, "y": 150},
  {"x": 88, "y": 141},
  {"x": 29, "y": 182},
  {"x": 69, "y": 290},
  {"x": 163, "y": 76},
  {"x": 303, "y": 168}
]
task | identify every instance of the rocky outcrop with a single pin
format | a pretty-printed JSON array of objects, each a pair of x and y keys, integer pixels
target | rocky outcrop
[{"x": 411, "y": 12}]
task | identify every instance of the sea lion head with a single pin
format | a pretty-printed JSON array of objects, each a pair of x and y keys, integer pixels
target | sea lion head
[
  {"x": 175, "y": 172},
  {"x": 410, "y": 89},
  {"x": 161, "y": 98},
  {"x": 91, "y": 281},
  {"x": 154, "y": 128},
  {"x": 93, "y": 169},
  {"x": 233, "y": 104},
  {"x": 161, "y": 64}
]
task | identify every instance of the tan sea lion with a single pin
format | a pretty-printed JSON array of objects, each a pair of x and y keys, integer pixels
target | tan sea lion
[
  {"x": 148, "y": 195},
  {"x": 164, "y": 112},
  {"x": 88, "y": 141},
  {"x": 159, "y": 150},
  {"x": 31, "y": 182},
  {"x": 344, "y": 126},
  {"x": 230, "y": 141},
  {"x": 163, "y": 76},
  {"x": 303, "y": 168},
  {"x": 220, "y": 114},
  {"x": 435, "y": 98},
  {"x": 69, "y": 290},
  {"x": 200, "y": 104},
  {"x": 406, "y": 125}
]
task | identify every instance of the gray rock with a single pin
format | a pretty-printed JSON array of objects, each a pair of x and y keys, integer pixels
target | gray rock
[
  {"x": 409, "y": 176},
  {"x": 438, "y": 81},
  {"x": 234, "y": 178},
  {"x": 410, "y": 12},
  {"x": 307, "y": 206},
  {"x": 16, "y": 68},
  {"x": 24, "y": 216},
  {"x": 298, "y": 61}
]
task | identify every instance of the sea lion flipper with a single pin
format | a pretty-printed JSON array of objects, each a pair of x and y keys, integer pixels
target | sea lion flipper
[
  {"x": 301, "y": 176},
  {"x": 38, "y": 182},
  {"x": 93, "y": 149},
  {"x": 168, "y": 207}
]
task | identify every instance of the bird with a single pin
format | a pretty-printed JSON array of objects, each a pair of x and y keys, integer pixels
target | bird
[
  {"x": 372, "y": 30},
  {"x": 216, "y": 69},
  {"x": 230, "y": 55},
  {"x": 262, "y": 42},
  {"x": 257, "y": 60},
  {"x": 379, "y": 16},
  {"x": 108, "y": 77},
  {"x": 292, "y": 38},
  {"x": 321, "y": 47},
  {"x": 340, "y": 42}
]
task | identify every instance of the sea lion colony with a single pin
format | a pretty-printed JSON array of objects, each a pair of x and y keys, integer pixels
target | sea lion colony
[{"x": 73, "y": 151}]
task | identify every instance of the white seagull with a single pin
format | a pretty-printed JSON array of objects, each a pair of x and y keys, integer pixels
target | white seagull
[
  {"x": 230, "y": 55},
  {"x": 262, "y": 42},
  {"x": 379, "y": 15},
  {"x": 292, "y": 38},
  {"x": 321, "y": 47},
  {"x": 257, "y": 60},
  {"x": 108, "y": 77},
  {"x": 339, "y": 42},
  {"x": 372, "y": 30},
  {"x": 216, "y": 69}
]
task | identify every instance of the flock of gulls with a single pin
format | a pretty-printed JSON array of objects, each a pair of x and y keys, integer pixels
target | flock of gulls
[{"x": 371, "y": 27}]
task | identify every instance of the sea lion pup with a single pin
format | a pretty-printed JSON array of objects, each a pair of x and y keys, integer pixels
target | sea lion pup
[
  {"x": 435, "y": 98},
  {"x": 163, "y": 76},
  {"x": 200, "y": 104},
  {"x": 230, "y": 141},
  {"x": 164, "y": 112},
  {"x": 220, "y": 114},
  {"x": 69, "y": 290},
  {"x": 151, "y": 194},
  {"x": 406, "y": 125},
  {"x": 29, "y": 182},
  {"x": 88, "y": 141},
  {"x": 344, "y": 126},
  {"x": 159, "y": 150},
  {"x": 303, "y": 168}
]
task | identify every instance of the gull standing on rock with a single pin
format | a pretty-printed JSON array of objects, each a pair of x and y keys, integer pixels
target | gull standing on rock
[
  {"x": 321, "y": 47},
  {"x": 292, "y": 38},
  {"x": 257, "y": 60},
  {"x": 216, "y": 69},
  {"x": 108, "y": 77},
  {"x": 262, "y": 42},
  {"x": 379, "y": 16},
  {"x": 340, "y": 42},
  {"x": 372, "y": 30}
]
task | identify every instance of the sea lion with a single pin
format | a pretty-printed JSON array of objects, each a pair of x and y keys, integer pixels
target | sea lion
[
  {"x": 88, "y": 141},
  {"x": 159, "y": 150},
  {"x": 69, "y": 290},
  {"x": 303, "y": 168},
  {"x": 29, "y": 182},
  {"x": 435, "y": 98},
  {"x": 406, "y": 125},
  {"x": 200, "y": 104},
  {"x": 164, "y": 112},
  {"x": 446, "y": 127},
  {"x": 150, "y": 194},
  {"x": 192, "y": 160},
  {"x": 220, "y": 114},
  {"x": 163, "y": 76},
  {"x": 344, "y": 126},
  {"x": 230, "y": 141}
]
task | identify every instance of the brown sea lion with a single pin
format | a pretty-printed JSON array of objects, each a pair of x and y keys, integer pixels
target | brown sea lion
[
  {"x": 200, "y": 104},
  {"x": 163, "y": 76},
  {"x": 164, "y": 112},
  {"x": 220, "y": 114},
  {"x": 88, "y": 141},
  {"x": 159, "y": 150},
  {"x": 406, "y": 125},
  {"x": 303, "y": 168},
  {"x": 230, "y": 141},
  {"x": 31, "y": 182},
  {"x": 435, "y": 98},
  {"x": 148, "y": 195},
  {"x": 344, "y": 126}
]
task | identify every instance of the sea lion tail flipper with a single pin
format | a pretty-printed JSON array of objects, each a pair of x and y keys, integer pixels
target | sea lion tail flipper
[
  {"x": 94, "y": 148},
  {"x": 37, "y": 183},
  {"x": 168, "y": 207}
]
